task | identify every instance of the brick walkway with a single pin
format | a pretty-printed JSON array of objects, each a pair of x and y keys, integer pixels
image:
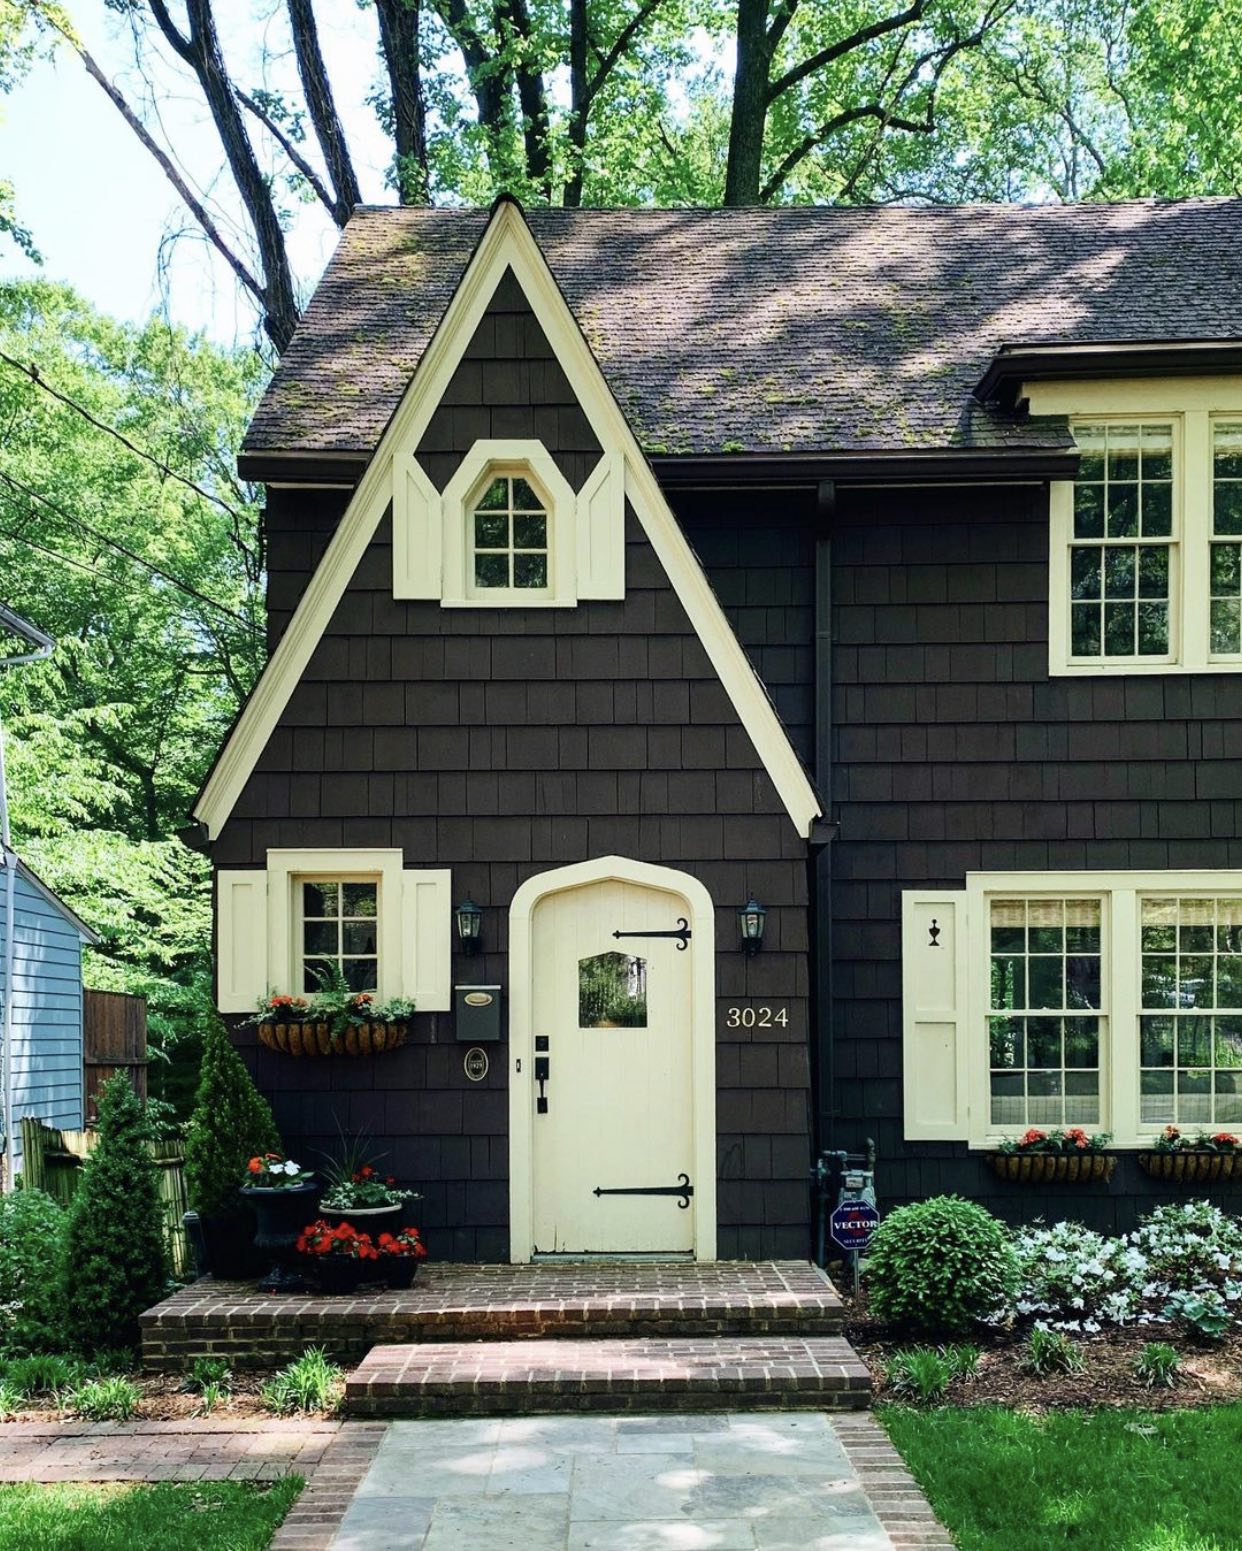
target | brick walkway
[
  {"x": 502, "y": 1377},
  {"x": 202, "y": 1449},
  {"x": 466, "y": 1302}
]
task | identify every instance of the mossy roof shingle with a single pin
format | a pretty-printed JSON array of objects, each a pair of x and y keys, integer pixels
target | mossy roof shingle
[{"x": 789, "y": 330}]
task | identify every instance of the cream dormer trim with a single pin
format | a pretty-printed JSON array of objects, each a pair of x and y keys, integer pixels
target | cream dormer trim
[{"x": 391, "y": 481}]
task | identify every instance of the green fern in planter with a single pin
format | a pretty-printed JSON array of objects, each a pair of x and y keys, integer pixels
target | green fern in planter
[
  {"x": 115, "y": 1262},
  {"x": 231, "y": 1123}
]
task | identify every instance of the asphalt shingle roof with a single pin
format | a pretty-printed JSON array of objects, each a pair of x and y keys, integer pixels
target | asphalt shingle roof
[{"x": 789, "y": 330}]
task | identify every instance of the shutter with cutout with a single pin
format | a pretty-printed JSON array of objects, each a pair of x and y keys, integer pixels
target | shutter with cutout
[
  {"x": 417, "y": 531},
  {"x": 427, "y": 930},
  {"x": 241, "y": 940},
  {"x": 935, "y": 1042}
]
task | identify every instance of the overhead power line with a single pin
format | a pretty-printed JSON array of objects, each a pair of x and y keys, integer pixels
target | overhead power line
[
  {"x": 103, "y": 538},
  {"x": 34, "y": 375}
]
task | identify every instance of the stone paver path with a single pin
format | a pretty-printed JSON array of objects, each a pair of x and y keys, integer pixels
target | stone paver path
[{"x": 715, "y": 1482}]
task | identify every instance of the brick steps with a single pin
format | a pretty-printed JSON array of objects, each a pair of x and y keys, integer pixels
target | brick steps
[
  {"x": 680, "y": 1374},
  {"x": 496, "y": 1303}
]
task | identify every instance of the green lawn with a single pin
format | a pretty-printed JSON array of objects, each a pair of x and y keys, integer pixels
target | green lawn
[
  {"x": 1100, "y": 1480},
  {"x": 189, "y": 1516}
]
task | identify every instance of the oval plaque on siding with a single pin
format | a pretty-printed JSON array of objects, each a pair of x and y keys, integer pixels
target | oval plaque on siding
[
  {"x": 478, "y": 999},
  {"x": 475, "y": 1063}
]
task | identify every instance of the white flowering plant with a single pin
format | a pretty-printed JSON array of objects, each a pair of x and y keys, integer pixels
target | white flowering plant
[
  {"x": 270, "y": 1171},
  {"x": 1071, "y": 1278}
]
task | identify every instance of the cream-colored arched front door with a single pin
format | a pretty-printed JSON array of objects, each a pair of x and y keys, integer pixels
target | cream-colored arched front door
[{"x": 610, "y": 1065}]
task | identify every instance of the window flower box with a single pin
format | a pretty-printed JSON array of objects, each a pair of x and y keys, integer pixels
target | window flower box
[
  {"x": 334, "y": 1021},
  {"x": 1203, "y": 1160},
  {"x": 1062, "y": 1157},
  {"x": 371, "y": 1038}
]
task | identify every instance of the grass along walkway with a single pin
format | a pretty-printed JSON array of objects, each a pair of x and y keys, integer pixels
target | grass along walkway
[
  {"x": 1004, "y": 1480},
  {"x": 194, "y": 1516}
]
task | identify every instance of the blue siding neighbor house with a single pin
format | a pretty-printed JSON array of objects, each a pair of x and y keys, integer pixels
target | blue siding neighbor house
[{"x": 41, "y": 950}]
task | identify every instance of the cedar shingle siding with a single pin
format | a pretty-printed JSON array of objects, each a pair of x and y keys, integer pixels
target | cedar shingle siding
[{"x": 502, "y": 743}]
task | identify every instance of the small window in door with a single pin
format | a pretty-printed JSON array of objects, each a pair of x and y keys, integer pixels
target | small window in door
[{"x": 612, "y": 992}]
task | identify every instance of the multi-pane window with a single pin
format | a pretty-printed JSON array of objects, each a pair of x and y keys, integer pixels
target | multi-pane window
[
  {"x": 509, "y": 536},
  {"x": 1191, "y": 1019},
  {"x": 1226, "y": 562},
  {"x": 340, "y": 934},
  {"x": 1045, "y": 1011},
  {"x": 1123, "y": 548}
]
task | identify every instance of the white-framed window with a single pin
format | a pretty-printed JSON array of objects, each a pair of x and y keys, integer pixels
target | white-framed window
[
  {"x": 1110, "y": 1001},
  {"x": 338, "y": 931},
  {"x": 508, "y": 530},
  {"x": 1145, "y": 557},
  {"x": 387, "y": 927},
  {"x": 509, "y": 538}
]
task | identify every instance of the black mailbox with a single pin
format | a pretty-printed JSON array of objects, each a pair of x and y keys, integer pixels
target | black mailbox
[{"x": 476, "y": 1014}]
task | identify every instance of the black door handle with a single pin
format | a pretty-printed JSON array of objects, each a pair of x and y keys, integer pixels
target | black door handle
[{"x": 541, "y": 1077}]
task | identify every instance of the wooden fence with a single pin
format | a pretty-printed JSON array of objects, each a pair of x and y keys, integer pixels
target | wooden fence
[
  {"x": 114, "y": 1039},
  {"x": 52, "y": 1161}
]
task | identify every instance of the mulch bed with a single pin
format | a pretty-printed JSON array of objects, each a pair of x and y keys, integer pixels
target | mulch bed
[
  {"x": 1210, "y": 1374},
  {"x": 163, "y": 1400}
]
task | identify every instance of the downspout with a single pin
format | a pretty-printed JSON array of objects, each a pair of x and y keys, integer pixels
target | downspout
[
  {"x": 822, "y": 1071},
  {"x": 43, "y": 647}
]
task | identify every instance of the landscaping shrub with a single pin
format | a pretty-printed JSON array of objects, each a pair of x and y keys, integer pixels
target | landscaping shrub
[
  {"x": 1205, "y": 1313},
  {"x": 1052, "y": 1351},
  {"x": 309, "y": 1383},
  {"x": 104, "y": 1400},
  {"x": 940, "y": 1266},
  {"x": 114, "y": 1255},
  {"x": 206, "y": 1371},
  {"x": 922, "y": 1374},
  {"x": 1157, "y": 1364},
  {"x": 31, "y": 1225},
  {"x": 1190, "y": 1246},
  {"x": 1074, "y": 1279},
  {"x": 42, "y": 1373},
  {"x": 231, "y": 1123},
  {"x": 10, "y": 1402}
]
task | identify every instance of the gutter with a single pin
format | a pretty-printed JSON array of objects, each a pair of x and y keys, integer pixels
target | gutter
[{"x": 43, "y": 646}]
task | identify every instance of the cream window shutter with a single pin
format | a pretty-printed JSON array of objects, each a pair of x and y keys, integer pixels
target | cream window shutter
[
  {"x": 601, "y": 530},
  {"x": 241, "y": 940},
  {"x": 427, "y": 933},
  {"x": 935, "y": 1036},
  {"x": 417, "y": 531}
]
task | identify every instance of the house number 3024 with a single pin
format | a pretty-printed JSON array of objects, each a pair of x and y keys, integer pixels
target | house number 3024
[{"x": 757, "y": 1017}]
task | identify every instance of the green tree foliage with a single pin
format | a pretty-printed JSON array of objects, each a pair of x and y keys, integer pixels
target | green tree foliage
[
  {"x": 230, "y": 1124},
  {"x": 151, "y": 591},
  {"x": 115, "y": 1263},
  {"x": 31, "y": 1224}
]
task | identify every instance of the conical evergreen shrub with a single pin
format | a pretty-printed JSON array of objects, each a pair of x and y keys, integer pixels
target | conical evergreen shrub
[
  {"x": 115, "y": 1260},
  {"x": 230, "y": 1123}
]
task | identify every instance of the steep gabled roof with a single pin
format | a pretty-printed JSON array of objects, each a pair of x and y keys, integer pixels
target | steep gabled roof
[{"x": 768, "y": 331}]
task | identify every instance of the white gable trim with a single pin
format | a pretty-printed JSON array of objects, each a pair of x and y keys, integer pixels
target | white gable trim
[{"x": 507, "y": 243}]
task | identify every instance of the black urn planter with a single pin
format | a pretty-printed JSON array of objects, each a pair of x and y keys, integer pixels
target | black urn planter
[
  {"x": 399, "y": 1270},
  {"x": 339, "y": 1275},
  {"x": 282, "y": 1214},
  {"x": 222, "y": 1244}
]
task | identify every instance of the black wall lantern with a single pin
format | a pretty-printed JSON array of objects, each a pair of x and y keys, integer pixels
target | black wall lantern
[
  {"x": 750, "y": 922},
  {"x": 469, "y": 919}
]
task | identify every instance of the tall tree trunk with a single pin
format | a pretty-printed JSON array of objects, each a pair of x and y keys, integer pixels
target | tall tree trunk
[
  {"x": 322, "y": 108},
  {"x": 489, "y": 81},
  {"x": 579, "y": 100},
  {"x": 533, "y": 100},
  {"x": 750, "y": 105},
  {"x": 202, "y": 52},
  {"x": 399, "y": 22}
]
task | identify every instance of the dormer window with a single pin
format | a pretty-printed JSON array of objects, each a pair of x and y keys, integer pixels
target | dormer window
[{"x": 511, "y": 540}]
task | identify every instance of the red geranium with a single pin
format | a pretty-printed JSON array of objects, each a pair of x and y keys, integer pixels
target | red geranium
[
  {"x": 1032, "y": 1136},
  {"x": 406, "y": 1243},
  {"x": 321, "y": 1238}
]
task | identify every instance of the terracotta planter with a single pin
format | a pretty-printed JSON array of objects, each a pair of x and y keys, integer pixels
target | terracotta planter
[
  {"x": 1052, "y": 1168},
  {"x": 1191, "y": 1168},
  {"x": 314, "y": 1039}
]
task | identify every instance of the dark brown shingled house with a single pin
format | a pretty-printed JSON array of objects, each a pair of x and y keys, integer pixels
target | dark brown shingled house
[{"x": 882, "y": 568}]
